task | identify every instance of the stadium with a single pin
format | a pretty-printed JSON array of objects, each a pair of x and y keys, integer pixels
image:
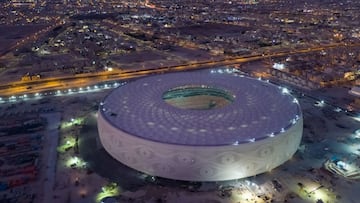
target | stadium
[{"x": 200, "y": 126}]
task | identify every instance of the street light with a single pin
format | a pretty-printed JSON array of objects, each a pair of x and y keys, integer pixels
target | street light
[{"x": 285, "y": 90}]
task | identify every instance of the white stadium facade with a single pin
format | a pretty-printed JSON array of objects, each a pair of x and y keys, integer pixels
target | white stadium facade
[{"x": 200, "y": 126}]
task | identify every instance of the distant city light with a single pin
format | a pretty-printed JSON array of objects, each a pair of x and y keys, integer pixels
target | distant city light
[
  {"x": 337, "y": 109},
  {"x": 279, "y": 66},
  {"x": 319, "y": 103}
]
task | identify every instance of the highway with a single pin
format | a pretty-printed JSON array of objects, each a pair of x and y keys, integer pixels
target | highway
[{"x": 84, "y": 80}]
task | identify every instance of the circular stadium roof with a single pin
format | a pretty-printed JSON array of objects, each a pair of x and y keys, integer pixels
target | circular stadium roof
[{"x": 256, "y": 109}]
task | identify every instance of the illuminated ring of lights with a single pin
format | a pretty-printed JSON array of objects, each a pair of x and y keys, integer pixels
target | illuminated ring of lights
[{"x": 262, "y": 127}]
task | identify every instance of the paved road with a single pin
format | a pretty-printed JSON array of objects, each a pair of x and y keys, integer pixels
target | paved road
[
  {"x": 52, "y": 134},
  {"x": 83, "y": 80}
]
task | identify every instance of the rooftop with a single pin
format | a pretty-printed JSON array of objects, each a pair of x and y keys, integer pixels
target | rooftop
[{"x": 249, "y": 109}]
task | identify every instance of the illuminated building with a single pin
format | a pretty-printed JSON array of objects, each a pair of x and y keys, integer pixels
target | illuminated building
[{"x": 200, "y": 126}]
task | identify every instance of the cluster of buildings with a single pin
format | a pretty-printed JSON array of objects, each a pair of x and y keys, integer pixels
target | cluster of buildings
[
  {"x": 21, "y": 145},
  {"x": 88, "y": 35},
  {"x": 324, "y": 69}
]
